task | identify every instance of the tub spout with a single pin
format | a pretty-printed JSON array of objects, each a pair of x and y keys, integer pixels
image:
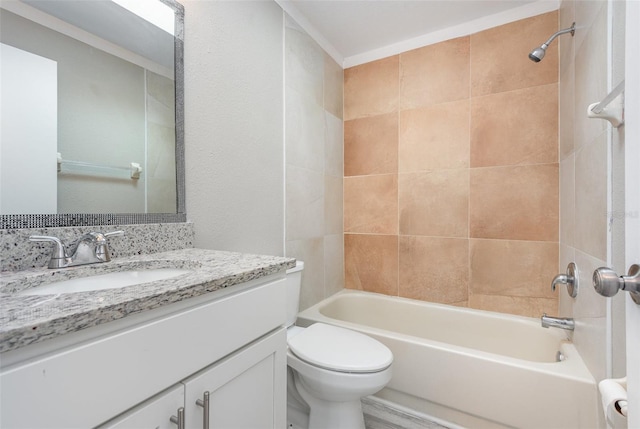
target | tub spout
[{"x": 557, "y": 322}]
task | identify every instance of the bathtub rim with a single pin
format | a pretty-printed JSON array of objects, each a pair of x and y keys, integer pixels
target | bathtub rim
[{"x": 573, "y": 367}]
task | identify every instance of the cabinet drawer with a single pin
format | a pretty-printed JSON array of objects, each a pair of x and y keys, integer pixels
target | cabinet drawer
[{"x": 86, "y": 385}]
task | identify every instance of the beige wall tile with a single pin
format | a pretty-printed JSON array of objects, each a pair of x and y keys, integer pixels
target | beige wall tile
[
  {"x": 333, "y": 200},
  {"x": 590, "y": 79},
  {"x": 515, "y": 127},
  {"x": 567, "y": 101},
  {"x": 434, "y": 203},
  {"x": 305, "y": 131},
  {"x": 567, "y": 201},
  {"x": 434, "y": 137},
  {"x": 333, "y": 146},
  {"x": 371, "y": 263},
  {"x": 435, "y": 74},
  {"x": 371, "y": 145},
  {"x": 434, "y": 269},
  {"x": 333, "y": 86},
  {"x": 521, "y": 306},
  {"x": 513, "y": 268},
  {"x": 515, "y": 203},
  {"x": 565, "y": 302},
  {"x": 311, "y": 252},
  {"x": 371, "y": 204},
  {"x": 591, "y": 198},
  {"x": 305, "y": 207},
  {"x": 333, "y": 264},
  {"x": 371, "y": 89},
  {"x": 499, "y": 56},
  {"x": 304, "y": 62}
]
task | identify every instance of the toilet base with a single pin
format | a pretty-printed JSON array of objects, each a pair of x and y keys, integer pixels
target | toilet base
[{"x": 329, "y": 414}]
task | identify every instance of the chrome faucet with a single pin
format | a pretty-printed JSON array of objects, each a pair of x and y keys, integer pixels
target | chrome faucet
[
  {"x": 557, "y": 322},
  {"x": 91, "y": 248}
]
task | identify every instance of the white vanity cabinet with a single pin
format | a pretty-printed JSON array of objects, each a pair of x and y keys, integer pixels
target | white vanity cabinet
[
  {"x": 243, "y": 390},
  {"x": 154, "y": 413},
  {"x": 231, "y": 344}
]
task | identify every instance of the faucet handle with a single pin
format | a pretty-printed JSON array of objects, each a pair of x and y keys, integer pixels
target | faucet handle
[
  {"x": 59, "y": 253},
  {"x": 102, "y": 250},
  {"x": 570, "y": 279}
]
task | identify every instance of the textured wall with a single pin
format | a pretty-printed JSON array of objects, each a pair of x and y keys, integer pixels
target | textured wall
[
  {"x": 451, "y": 172},
  {"x": 234, "y": 125}
]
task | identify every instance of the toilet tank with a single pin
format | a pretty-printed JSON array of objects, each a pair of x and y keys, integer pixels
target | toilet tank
[{"x": 294, "y": 280}]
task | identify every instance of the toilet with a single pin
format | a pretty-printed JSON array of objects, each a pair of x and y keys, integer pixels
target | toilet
[{"x": 329, "y": 369}]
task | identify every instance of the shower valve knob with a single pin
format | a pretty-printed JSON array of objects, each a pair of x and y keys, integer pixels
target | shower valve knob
[{"x": 607, "y": 283}]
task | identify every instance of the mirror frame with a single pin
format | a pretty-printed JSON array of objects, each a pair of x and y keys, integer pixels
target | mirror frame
[{"x": 18, "y": 221}]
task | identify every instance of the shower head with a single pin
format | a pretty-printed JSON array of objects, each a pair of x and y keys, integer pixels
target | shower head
[{"x": 538, "y": 53}]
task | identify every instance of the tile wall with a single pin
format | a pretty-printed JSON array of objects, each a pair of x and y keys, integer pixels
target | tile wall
[
  {"x": 314, "y": 164},
  {"x": 584, "y": 176},
  {"x": 451, "y": 172}
]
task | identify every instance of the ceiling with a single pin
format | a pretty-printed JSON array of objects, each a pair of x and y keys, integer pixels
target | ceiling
[{"x": 358, "y": 31}]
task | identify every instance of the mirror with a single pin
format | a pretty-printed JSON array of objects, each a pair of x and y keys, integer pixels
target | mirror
[{"x": 92, "y": 112}]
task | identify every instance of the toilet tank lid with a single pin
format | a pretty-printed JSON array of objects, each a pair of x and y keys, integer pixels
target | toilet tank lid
[{"x": 340, "y": 349}]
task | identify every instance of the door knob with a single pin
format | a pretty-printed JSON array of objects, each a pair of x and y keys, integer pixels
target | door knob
[{"x": 607, "y": 283}]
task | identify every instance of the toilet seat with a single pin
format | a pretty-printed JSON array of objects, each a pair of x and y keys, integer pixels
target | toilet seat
[{"x": 339, "y": 349}]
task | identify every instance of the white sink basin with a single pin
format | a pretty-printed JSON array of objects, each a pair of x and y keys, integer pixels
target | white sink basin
[{"x": 105, "y": 281}]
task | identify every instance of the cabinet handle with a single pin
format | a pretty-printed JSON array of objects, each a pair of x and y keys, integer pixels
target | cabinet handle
[
  {"x": 180, "y": 419},
  {"x": 204, "y": 403}
]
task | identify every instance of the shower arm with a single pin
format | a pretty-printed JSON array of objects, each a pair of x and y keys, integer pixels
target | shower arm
[{"x": 571, "y": 30}]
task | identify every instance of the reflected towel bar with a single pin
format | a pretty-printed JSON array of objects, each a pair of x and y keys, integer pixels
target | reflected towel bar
[{"x": 133, "y": 171}]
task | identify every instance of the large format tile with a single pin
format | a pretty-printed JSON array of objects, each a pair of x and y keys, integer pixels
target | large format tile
[
  {"x": 434, "y": 203},
  {"x": 305, "y": 207},
  {"x": 304, "y": 132},
  {"x": 435, "y": 74},
  {"x": 591, "y": 217},
  {"x": 518, "y": 305},
  {"x": 333, "y": 86},
  {"x": 333, "y": 146},
  {"x": 566, "y": 107},
  {"x": 311, "y": 252},
  {"x": 371, "y": 145},
  {"x": 499, "y": 56},
  {"x": 371, "y": 204},
  {"x": 333, "y": 205},
  {"x": 567, "y": 201},
  {"x": 515, "y": 127},
  {"x": 371, "y": 263},
  {"x": 514, "y": 203},
  {"x": 333, "y": 264},
  {"x": 513, "y": 268},
  {"x": 434, "y": 269},
  {"x": 304, "y": 62},
  {"x": 434, "y": 137},
  {"x": 590, "y": 80},
  {"x": 371, "y": 89}
]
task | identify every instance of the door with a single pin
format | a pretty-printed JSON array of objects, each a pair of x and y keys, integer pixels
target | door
[
  {"x": 632, "y": 201},
  {"x": 245, "y": 390}
]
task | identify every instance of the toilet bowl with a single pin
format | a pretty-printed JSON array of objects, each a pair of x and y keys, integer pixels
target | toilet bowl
[{"x": 330, "y": 370}]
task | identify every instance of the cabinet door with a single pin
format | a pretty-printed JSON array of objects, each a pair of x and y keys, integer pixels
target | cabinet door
[
  {"x": 246, "y": 389},
  {"x": 154, "y": 413}
]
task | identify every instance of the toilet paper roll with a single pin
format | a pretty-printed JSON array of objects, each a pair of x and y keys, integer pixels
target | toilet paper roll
[{"x": 614, "y": 401}]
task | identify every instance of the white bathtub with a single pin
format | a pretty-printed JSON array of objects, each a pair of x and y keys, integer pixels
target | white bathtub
[{"x": 470, "y": 368}]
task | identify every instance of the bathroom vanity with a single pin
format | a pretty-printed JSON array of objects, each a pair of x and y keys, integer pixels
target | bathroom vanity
[{"x": 204, "y": 349}]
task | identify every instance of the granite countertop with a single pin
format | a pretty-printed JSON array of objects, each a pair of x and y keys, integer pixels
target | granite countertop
[{"x": 28, "y": 319}]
